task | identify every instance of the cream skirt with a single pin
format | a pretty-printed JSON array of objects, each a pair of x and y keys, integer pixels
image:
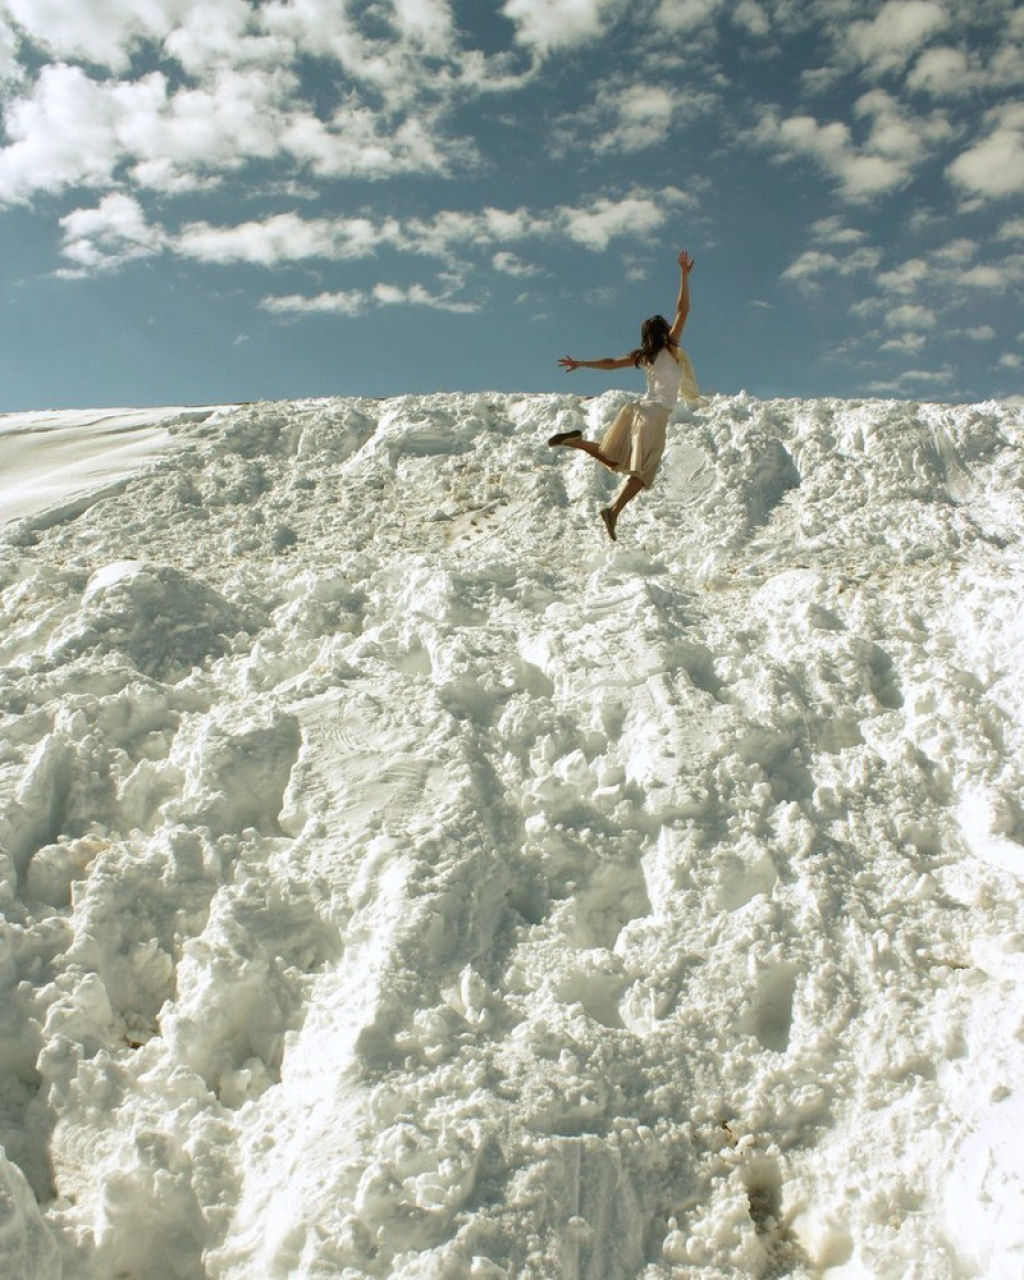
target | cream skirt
[{"x": 636, "y": 440}]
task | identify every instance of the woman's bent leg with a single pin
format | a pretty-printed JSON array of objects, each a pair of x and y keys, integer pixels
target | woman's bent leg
[{"x": 594, "y": 451}]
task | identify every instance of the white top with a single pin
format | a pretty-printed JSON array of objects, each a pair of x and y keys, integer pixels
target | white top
[{"x": 664, "y": 378}]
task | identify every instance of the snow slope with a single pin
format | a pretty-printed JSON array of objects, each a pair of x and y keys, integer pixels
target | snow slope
[
  {"x": 400, "y": 879},
  {"x": 57, "y": 460}
]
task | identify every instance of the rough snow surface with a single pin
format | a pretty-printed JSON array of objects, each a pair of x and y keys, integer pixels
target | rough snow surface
[{"x": 402, "y": 880}]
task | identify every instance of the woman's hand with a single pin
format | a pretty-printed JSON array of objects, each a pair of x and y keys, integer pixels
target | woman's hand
[
  {"x": 685, "y": 262},
  {"x": 569, "y": 364}
]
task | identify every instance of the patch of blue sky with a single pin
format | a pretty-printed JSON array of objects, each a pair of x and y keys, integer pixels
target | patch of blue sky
[{"x": 209, "y": 200}]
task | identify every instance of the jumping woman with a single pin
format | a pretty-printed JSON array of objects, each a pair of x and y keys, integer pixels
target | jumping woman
[{"x": 635, "y": 441}]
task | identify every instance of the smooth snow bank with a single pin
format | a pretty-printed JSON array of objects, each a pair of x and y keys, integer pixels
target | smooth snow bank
[
  {"x": 58, "y": 458},
  {"x": 401, "y": 880}
]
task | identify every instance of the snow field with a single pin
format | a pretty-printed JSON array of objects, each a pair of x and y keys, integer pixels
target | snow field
[{"x": 400, "y": 879}]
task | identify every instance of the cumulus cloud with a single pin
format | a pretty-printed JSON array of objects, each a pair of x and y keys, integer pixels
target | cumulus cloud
[
  {"x": 296, "y": 304},
  {"x": 996, "y": 277},
  {"x": 545, "y": 26},
  {"x": 994, "y": 166},
  {"x": 108, "y": 236},
  {"x": 751, "y": 17},
  {"x": 10, "y": 67},
  {"x": 914, "y": 379},
  {"x": 686, "y": 15},
  {"x": 63, "y": 133},
  {"x": 911, "y": 317},
  {"x": 895, "y": 144},
  {"x": 905, "y": 344},
  {"x": 943, "y": 73},
  {"x": 355, "y": 302},
  {"x": 116, "y": 231},
  {"x": 70, "y": 131},
  {"x": 235, "y": 94},
  {"x": 637, "y": 215},
  {"x": 390, "y": 295},
  {"x": 833, "y": 230},
  {"x": 103, "y": 32},
  {"x": 284, "y": 238},
  {"x": 632, "y": 116},
  {"x": 807, "y": 269},
  {"x": 511, "y": 265},
  {"x": 895, "y": 33}
]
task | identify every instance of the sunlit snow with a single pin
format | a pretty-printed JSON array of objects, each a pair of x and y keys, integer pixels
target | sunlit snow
[{"x": 402, "y": 880}]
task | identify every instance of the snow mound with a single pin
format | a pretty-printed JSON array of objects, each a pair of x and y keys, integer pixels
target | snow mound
[{"x": 402, "y": 880}]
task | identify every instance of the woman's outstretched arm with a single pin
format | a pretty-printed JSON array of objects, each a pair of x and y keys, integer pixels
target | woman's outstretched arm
[
  {"x": 606, "y": 362},
  {"x": 683, "y": 301}
]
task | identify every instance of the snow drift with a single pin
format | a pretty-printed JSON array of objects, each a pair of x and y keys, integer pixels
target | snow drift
[{"x": 400, "y": 879}]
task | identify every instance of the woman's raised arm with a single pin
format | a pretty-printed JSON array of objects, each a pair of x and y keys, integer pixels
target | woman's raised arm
[{"x": 683, "y": 301}]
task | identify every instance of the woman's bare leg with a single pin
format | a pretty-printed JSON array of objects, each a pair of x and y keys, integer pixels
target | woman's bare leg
[
  {"x": 627, "y": 493},
  {"x": 589, "y": 447}
]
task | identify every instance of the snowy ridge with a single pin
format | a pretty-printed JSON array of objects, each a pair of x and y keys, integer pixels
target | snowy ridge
[{"x": 402, "y": 880}]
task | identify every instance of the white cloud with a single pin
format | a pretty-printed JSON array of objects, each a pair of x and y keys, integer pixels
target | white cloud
[
  {"x": 637, "y": 215},
  {"x": 1008, "y": 273},
  {"x": 104, "y": 32},
  {"x": 355, "y": 302},
  {"x": 338, "y": 304},
  {"x": 887, "y": 41},
  {"x": 69, "y": 130},
  {"x": 451, "y": 231},
  {"x": 686, "y": 15},
  {"x": 1010, "y": 360},
  {"x": 907, "y": 277},
  {"x": 220, "y": 125},
  {"x": 10, "y": 68},
  {"x": 511, "y": 265},
  {"x": 905, "y": 344},
  {"x": 96, "y": 237},
  {"x": 544, "y": 25},
  {"x": 862, "y": 175},
  {"x": 894, "y": 133},
  {"x": 636, "y": 116},
  {"x": 994, "y": 166},
  {"x": 389, "y": 295},
  {"x": 219, "y": 33},
  {"x": 426, "y": 22},
  {"x": 357, "y": 143},
  {"x": 914, "y": 378},
  {"x": 285, "y": 237},
  {"x": 644, "y": 118},
  {"x": 833, "y": 230},
  {"x": 63, "y": 133},
  {"x": 956, "y": 252},
  {"x": 107, "y": 237},
  {"x": 943, "y": 73},
  {"x": 977, "y": 333},
  {"x": 812, "y": 263},
  {"x": 751, "y": 17},
  {"x": 911, "y": 317},
  {"x": 1011, "y": 230}
]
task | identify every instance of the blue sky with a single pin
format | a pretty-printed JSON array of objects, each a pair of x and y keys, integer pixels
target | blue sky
[{"x": 213, "y": 200}]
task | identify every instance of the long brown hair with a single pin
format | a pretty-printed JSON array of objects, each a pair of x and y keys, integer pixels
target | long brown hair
[{"x": 655, "y": 335}]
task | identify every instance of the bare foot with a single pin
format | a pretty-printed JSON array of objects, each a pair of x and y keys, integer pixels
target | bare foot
[{"x": 609, "y": 518}]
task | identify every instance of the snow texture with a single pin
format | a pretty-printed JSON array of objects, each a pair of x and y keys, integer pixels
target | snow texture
[{"x": 399, "y": 879}]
